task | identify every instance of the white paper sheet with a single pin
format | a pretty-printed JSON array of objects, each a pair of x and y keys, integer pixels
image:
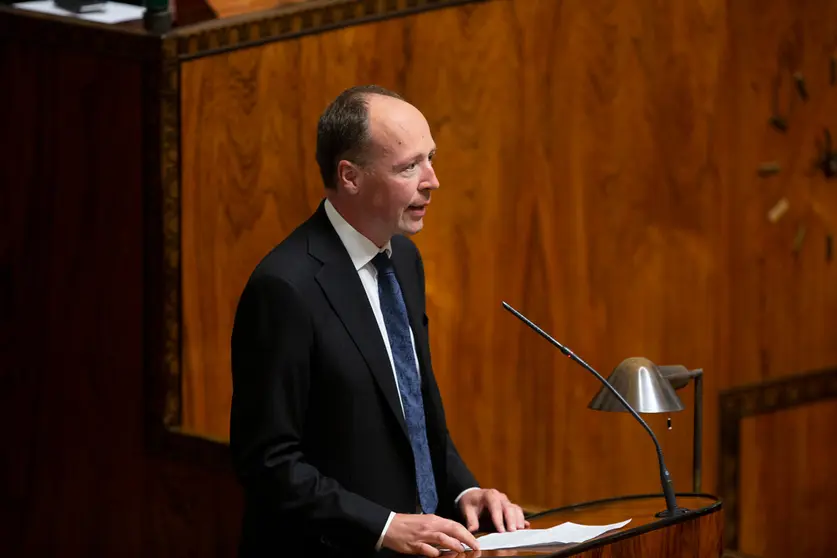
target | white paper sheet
[
  {"x": 114, "y": 12},
  {"x": 560, "y": 534}
]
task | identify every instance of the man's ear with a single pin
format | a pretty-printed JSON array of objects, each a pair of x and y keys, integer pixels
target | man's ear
[{"x": 348, "y": 176}]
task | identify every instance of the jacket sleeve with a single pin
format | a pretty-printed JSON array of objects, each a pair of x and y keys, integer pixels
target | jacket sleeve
[
  {"x": 459, "y": 476},
  {"x": 272, "y": 340}
]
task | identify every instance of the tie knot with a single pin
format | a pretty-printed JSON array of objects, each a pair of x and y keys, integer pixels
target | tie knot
[{"x": 382, "y": 263}]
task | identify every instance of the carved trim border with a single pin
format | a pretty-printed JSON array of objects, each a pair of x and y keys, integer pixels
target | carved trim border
[
  {"x": 753, "y": 400},
  {"x": 169, "y": 115},
  {"x": 292, "y": 21}
]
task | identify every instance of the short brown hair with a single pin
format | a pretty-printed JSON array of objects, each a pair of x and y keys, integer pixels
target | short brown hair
[{"x": 343, "y": 129}]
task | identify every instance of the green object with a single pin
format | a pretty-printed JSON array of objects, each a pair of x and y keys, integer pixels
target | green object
[{"x": 157, "y": 5}]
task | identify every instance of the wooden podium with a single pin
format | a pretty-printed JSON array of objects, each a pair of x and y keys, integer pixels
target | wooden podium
[{"x": 696, "y": 534}]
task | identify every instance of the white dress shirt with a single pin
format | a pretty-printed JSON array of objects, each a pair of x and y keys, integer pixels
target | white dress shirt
[{"x": 362, "y": 251}]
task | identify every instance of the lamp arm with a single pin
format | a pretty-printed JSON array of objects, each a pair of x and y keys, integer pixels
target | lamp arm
[
  {"x": 697, "y": 448},
  {"x": 679, "y": 376}
]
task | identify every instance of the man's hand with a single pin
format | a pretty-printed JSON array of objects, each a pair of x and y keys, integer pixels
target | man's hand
[
  {"x": 505, "y": 515},
  {"x": 426, "y": 534}
]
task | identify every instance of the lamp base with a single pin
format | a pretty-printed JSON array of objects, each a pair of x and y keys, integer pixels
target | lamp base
[
  {"x": 157, "y": 22},
  {"x": 666, "y": 514}
]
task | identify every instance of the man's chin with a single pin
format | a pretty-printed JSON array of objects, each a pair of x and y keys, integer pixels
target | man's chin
[{"x": 411, "y": 227}]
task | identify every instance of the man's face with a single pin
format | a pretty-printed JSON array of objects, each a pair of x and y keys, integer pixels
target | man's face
[{"x": 395, "y": 182}]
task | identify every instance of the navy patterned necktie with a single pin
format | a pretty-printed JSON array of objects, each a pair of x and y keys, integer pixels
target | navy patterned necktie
[{"x": 409, "y": 384}]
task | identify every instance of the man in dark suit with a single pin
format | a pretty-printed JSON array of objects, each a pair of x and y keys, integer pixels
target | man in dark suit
[{"x": 337, "y": 428}]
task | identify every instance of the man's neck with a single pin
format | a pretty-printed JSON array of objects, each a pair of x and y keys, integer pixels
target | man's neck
[{"x": 346, "y": 211}]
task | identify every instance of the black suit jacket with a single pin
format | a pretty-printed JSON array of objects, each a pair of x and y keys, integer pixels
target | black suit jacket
[{"x": 317, "y": 434}]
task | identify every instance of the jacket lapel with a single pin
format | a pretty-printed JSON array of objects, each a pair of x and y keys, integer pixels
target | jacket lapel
[{"x": 344, "y": 291}]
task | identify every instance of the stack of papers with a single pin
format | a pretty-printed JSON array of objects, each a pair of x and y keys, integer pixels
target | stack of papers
[
  {"x": 560, "y": 534},
  {"x": 113, "y": 12}
]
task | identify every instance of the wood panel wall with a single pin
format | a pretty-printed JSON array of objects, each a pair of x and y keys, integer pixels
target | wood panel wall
[
  {"x": 76, "y": 475},
  {"x": 598, "y": 163},
  {"x": 775, "y": 464},
  {"x": 787, "y": 482}
]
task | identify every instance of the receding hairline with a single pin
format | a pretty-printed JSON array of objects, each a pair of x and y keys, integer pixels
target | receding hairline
[
  {"x": 366, "y": 97},
  {"x": 343, "y": 129},
  {"x": 388, "y": 121}
]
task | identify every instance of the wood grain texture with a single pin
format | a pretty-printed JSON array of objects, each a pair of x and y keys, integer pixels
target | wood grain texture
[
  {"x": 229, "y": 8},
  {"x": 598, "y": 164},
  {"x": 75, "y": 476},
  {"x": 787, "y": 457},
  {"x": 754, "y": 469},
  {"x": 696, "y": 535},
  {"x": 291, "y": 21}
]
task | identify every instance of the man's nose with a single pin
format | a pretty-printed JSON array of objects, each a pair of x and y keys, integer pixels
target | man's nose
[{"x": 430, "y": 182}]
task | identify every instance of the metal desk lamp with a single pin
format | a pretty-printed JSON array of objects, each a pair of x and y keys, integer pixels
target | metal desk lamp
[{"x": 651, "y": 389}]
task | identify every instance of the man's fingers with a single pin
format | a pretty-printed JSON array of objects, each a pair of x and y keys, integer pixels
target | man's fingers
[
  {"x": 514, "y": 519},
  {"x": 445, "y": 541},
  {"x": 424, "y": 549},
  {"x": 495, "y": 507},
  {"x": 460, "y": 533},
  {"x": 514, "y": 516},
  {"x": 426, "y": 534},
  {"x": 472, "y": 518}
]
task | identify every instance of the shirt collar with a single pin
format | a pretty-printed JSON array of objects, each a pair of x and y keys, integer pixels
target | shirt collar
[{"x": 360, "y": 248}]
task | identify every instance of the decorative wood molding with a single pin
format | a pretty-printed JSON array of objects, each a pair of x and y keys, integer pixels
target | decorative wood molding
[
  {"x": 290, "y": 21},
  {"x": 169, "y": 95},
  {"x": 753, "y": 400},
  {"x": 161, "y": 102}
]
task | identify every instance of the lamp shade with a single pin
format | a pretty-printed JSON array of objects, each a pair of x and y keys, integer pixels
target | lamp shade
[{"x": 642, "y": 385}]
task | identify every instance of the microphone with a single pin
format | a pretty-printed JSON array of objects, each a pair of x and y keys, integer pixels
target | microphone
[{"x": 665, "y": 478}]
